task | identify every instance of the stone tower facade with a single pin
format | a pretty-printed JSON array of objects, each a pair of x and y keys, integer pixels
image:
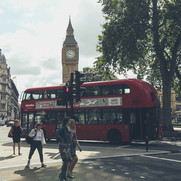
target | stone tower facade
[{"x": 70, "y": 54}]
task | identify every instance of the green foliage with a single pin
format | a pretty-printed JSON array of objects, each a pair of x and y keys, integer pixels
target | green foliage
[
  {"x": 137, "y": 34},
  {"x": 93, "y": 74},
  {"x": 143, "y": 36}
]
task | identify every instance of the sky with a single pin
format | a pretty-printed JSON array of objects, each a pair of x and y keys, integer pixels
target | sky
[{"x": 32, "y": 34}]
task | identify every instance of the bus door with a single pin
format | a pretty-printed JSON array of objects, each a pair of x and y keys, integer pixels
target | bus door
[
  {"x": 134, "y": 118},
  {"x": 150, "y": 128},
  {"x": 28, "y": 121}
]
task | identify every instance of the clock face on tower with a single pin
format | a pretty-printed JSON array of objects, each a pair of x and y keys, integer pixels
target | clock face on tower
[{"x": 70, "y": 54}]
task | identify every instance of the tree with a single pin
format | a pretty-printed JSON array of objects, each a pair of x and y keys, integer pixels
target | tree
[
  {"x": 143, "y": 36},
  {"x": 92, "y": 74}
]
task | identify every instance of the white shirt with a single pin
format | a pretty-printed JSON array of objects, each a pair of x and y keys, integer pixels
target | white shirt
[{"x": 38, "y": 136}]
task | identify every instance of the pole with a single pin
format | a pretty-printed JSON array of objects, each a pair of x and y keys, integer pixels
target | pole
[
  {"x": 71, "y": 96},
  {"x": 147, "y": 141}
]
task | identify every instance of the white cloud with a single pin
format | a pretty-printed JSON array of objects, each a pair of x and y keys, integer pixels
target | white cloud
[
  {"x": 33, "y": 48},
  {"x": 1, "y": 11}
]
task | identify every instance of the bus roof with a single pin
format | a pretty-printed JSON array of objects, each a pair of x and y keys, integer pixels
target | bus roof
[{"x": 135, "y": 82}]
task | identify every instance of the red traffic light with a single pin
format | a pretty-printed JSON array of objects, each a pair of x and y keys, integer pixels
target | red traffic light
[{"x": 67, "y": 89}]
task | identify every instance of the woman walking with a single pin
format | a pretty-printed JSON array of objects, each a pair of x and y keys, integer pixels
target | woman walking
[
  {"x": 75, "y": 144},
  {"x": 38, "y": 141},
  {"x": 16, "y": 133},
  {"x": 63, "y": 136}
]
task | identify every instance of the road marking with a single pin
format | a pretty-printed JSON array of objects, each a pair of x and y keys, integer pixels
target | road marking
[{"x": 165, "y": 159}]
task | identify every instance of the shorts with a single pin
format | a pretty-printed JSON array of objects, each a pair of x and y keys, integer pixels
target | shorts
[
  {"x": 16, "y": 139},
  {"x": 73, "y": 152}
]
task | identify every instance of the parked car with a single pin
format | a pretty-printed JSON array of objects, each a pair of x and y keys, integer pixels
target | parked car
[{"x": 10, "y": 123}]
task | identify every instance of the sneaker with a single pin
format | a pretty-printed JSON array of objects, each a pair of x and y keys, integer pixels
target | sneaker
[
  {"x": 70, "y": 175},
  {"x": 27, "y": 166},
  {"x": 20, "y": 154},
  {"x": 43, "y": 166}
]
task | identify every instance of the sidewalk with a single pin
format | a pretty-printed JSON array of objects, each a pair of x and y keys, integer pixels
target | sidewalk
[
  {"x": 51, "y": 173},
  {"x": 13, "y": 168}
]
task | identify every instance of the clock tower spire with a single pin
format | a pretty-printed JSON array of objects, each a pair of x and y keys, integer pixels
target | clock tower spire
[{"x": 70, "y": 54}]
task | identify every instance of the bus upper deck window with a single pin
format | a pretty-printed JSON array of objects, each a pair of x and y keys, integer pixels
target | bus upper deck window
[
  {"x": 92, "y": 91},
  {"x": 45, "y": 95},
  {"x": 53, "y": 94},
  {"x": 28, "y": 96},
  {"x": 59, "y": 93},
  {"x": 37, "y": 95},
  {"x": 127, "y": 91},
  {"x": 24, "y": 96}
]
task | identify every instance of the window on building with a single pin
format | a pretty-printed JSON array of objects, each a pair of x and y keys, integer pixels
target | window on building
[
  {"x": 3, "y": 87},
  {"x": 3, "y": 106},
  {"x": 3, "y": 96}
]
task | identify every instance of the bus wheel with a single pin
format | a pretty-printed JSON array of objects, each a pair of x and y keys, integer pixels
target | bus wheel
[{"x": 114, "y": 137}]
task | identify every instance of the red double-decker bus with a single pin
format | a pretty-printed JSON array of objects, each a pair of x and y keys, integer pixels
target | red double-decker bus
[{"x": 112, "y": 111}]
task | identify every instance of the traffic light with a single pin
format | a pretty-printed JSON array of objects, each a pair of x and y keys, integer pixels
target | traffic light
[
  {"x": 65, "y": 95},
  {"x": 78, "y": 83}
]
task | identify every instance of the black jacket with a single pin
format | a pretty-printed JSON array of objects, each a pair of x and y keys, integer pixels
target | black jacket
[{"x": 63, "y": 135}]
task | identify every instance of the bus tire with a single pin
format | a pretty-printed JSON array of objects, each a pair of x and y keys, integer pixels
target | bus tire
[{"x": 114, "y": 137}]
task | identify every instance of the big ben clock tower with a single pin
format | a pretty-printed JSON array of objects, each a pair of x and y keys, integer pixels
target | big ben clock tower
[{"x": 70, "y": 54}]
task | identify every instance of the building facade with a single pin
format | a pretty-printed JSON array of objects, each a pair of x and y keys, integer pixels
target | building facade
[
  {"x": 9, "y": 107},
  {"x": 70, "y": 54}
]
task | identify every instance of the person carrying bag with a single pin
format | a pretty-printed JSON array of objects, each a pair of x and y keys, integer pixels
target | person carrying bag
[
  {"x": 38, "y": 141},
  {"x": 63, "y": 136},
  {"x": 15, "y": 133}
]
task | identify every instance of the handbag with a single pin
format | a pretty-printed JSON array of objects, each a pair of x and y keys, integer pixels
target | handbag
[
  {"x": 9, "y": 134},
  {"x": 29, "y": 139}
]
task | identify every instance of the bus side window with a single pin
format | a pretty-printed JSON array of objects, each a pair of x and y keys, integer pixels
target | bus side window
[
  {"x": 45, "y": 95},
  {"x": 93, "y": 91},
  {"x": 126, "y": 90},
  {"x": 118, "y": 89},
  {"x": 94, "y": 116},
  {"x": 59, "y": 93},
  {"x": 53, "y": 94},
  {"x": 37, "y": 95},
  {"x": 79, "y": 117},
  {"x": 105, "y": 117},
  {"x": 40, "y": 95},
  {"x": 83, "y": 92},
  {"x": 48, "y": 94}
]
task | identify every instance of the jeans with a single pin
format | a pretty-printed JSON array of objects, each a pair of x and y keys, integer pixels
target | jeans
[
  {"x": 63, "y": 174},
  {"x": 36, "y": 145}
]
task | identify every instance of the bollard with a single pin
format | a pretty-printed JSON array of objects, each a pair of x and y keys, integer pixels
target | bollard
[{"x": 146, "y": 141}]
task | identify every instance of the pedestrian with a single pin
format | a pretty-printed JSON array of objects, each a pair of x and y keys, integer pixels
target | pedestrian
[
  {"x": 63, "y": 136},
  {"x": 16, "y": 132},
  {"x": 75, "y": 144},
  {"x": 38, "y": 141}
]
